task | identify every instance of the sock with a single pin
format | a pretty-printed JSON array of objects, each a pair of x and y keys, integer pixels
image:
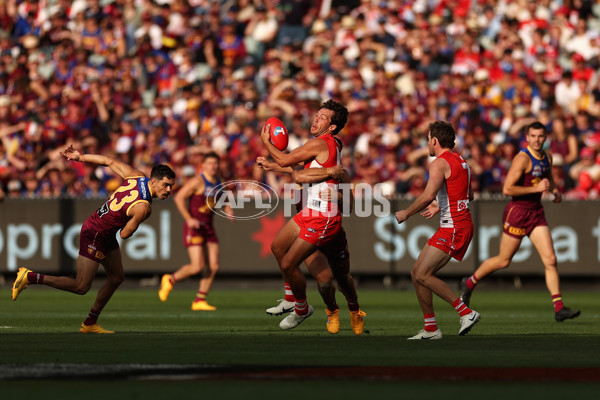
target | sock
[
  {"x": 289, "y": 296},
  {"x": 353, "y": 306},
  {"x": 201, "y": 296},
  {"x": 35, "y": 278},
  {"x": 472, "y": 282},
  {"x": 301, "y": 307},
  {"x": 92, "y": 317},
  {"x": 430, "y": 324},
  {"x": 557, "y": 301},
  {"x": 333, "y": 307},
  {"x": 172, "y": 279},
  {"x": 461, "y": 307}
]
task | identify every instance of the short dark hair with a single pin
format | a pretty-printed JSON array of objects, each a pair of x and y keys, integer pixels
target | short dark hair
[
  {"x": 444, "y": 133},
  {"x": 537, "y": 125},
  {"x": 340, "y": 115},
  {"x": 161, "y": 171},
  {"x": 211, "y": 154}
]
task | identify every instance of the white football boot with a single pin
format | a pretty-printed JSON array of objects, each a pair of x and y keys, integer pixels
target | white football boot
[
  {"x": 283, "y": 307},
  {"x": 423, "y": 334},
  {"x": 293, "y": 320}
]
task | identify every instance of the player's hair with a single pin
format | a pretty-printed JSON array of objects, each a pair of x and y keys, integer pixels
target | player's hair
[
  {"x": 211, "y": 154},
  {"x": 444, "y": 133},
  {"x": 537, "y": 125},
  {"x": 161, "y": 171},
  {"x": 340, "y": 115}
]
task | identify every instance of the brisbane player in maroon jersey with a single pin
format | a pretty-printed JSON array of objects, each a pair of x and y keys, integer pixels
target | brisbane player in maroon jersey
[
  {"x": 199, "y": 236},
  {"x": 448, "y": 191},
  {"x": 528, "y": 177},
  {"x": 125, "y": 210}
]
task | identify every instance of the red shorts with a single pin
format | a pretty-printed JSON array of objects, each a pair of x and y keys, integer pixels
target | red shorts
[
  {"x": 95, "y": 244},
  {"x": 453, "y": 241},
  {"x": 197, "y": 237},
  {"x": 519, "y": 221},
  {"x": 317, "y": 228}
]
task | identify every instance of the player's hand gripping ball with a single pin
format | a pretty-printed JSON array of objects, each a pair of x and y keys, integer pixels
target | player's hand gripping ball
[{"x": 278, "y": 133}]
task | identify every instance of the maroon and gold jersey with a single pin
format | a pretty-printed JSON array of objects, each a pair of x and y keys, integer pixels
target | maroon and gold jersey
[
  {"x": 540, "y": 169},
  {"x": 201, "y": 204},
  {"x": 114, "y": 214}
]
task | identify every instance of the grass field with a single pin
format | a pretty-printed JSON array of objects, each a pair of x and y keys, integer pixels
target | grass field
[{"x": 517, "y": 349}]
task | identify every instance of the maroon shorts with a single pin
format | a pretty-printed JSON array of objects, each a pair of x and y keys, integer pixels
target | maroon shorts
[
  {"x": 95, "y": 244},
  {"x": 337, "y": 248},
  {"x": 197, "y": 237},
  {"x": 519, "y": 221},
  {"x": 453, "y": 241},
  {"x": 317, "y": 228}
]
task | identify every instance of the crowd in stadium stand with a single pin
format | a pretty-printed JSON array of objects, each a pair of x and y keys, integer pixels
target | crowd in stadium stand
[{"x": 169, "y": 80}]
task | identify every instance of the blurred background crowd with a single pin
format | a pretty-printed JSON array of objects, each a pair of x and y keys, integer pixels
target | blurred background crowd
[{"x": 169, "y": 80}]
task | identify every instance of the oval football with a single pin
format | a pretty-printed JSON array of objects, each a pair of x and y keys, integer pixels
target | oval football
[{"x": 278, "y": 133}]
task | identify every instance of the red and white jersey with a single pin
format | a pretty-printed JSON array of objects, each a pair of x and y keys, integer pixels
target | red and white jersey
[
  {"x": 314, "y": 201},
  {"x": 453, "y": 196}
]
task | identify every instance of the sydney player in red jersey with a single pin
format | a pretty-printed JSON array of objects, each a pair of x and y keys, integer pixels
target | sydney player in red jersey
[
  {"x": 125, "y": 210},
  {"x": 199, "y": 236},
  {"x": 449, "y": 192},
  {"x": 529, "y": 176},
  {"x": 318, "y": 224},
  {"x": 332, "y": 261}
]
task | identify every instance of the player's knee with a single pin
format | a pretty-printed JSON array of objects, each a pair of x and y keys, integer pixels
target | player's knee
[
  {"x": 324, "y": 286},
  {"x": 82, "y": 288},
  {"x": 550, "y": 261},
  {"x": 502, "y": 263},
  {"x": 214, "y": 267},
  {"x": 418, "y": 276},
  {"x": 277, "y": 251},
  {"x": 196, "y": 268},
  {"x": 286, "y": 265}
]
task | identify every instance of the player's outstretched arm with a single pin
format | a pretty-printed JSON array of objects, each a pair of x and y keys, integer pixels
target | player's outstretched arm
[
  {"x": 437, "y": 173},
  {"x": 315, "y": 175},
  {"x": 118, "y": 167},
  {"x": 139, "y": 213},
  {"x": 267, "y": 165},
  {"x": 310, "y": 149}
]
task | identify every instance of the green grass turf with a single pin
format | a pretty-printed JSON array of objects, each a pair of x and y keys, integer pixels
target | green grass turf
[{"x": 517, "y": 330}]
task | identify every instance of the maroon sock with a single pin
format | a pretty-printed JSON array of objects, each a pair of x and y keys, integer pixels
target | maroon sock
[
  {"x": 557, "y": 301},
  {"x": 353, "y": 306},
  {"x": 35, "y": 278},
  {"x": 471, "y": 282},
  {"x": 92, "y": 317}
]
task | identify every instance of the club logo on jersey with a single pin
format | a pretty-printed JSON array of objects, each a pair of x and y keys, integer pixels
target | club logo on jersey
[
  {"x": 463, "y": 205},
  {"x": 537, "y": 170}
]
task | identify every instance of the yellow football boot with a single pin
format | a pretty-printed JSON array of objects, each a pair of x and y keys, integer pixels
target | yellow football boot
[
  {"x": 202, "y": 305},
  {"x": 165, "y": 287},
  {"x": 333, "y": 321},
  {"x": 21, "y": 282},
  {"x": 357, "y": 322},
  {"x": 95, "y": 328}
]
